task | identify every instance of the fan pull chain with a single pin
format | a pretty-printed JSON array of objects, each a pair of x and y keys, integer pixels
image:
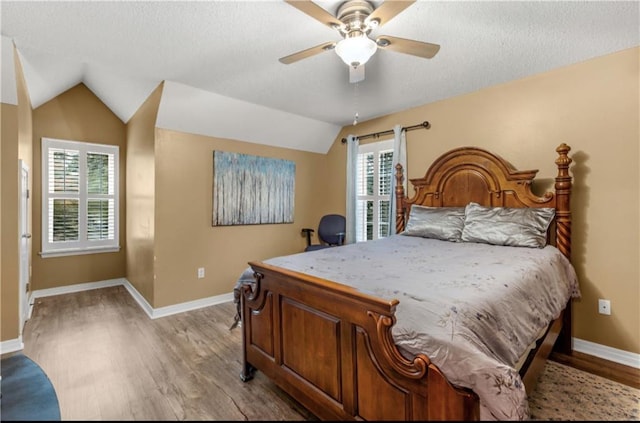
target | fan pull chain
[{"x": 355, "y": 103}]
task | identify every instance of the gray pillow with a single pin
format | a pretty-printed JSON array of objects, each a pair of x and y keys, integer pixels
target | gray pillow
[
  {"x": 516, "y": 227},
  {"x": 444, "y": 223}
]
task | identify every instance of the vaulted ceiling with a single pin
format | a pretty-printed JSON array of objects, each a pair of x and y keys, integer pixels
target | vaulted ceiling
[{"x": 223, "y": 55}]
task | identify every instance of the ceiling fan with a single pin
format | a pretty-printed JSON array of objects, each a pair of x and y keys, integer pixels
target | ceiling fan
[{"x": 354, "y": 21}]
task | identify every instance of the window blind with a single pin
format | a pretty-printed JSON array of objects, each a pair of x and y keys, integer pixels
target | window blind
[
  {"x": 373, "y": 189},
  {"x": 80, "y": 196}
]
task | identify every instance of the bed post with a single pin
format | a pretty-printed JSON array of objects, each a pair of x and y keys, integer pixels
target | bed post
[
  {"x": 563, "y": 207},
  {"x": 563, "y": 234},
  {"x": 400, "y": 216}
]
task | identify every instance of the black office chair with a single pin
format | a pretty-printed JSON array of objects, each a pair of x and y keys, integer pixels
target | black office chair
[{"x": 331, "y": 231}]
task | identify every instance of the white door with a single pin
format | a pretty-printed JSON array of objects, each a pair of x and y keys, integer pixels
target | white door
[{"x": 25, "y": 244}]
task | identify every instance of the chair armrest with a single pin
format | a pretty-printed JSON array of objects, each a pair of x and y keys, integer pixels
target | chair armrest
[
  {"x": 307, "y": 232},
  {"x": 341, "y": 236}
]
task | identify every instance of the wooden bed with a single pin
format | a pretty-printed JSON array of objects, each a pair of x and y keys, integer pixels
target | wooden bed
[{"x": 350, "y": 368}]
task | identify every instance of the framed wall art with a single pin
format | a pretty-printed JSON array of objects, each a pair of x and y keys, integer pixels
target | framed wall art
[{"x": 252, "y": 190}]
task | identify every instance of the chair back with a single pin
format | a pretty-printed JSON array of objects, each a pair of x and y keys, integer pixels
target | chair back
[{"x": 332, "y": 228}]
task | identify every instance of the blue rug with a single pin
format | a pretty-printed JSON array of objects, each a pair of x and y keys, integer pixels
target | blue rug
[{"x": 27, "y": 392}]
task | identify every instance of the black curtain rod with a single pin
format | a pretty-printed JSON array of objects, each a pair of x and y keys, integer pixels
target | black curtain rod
[{"x": 425, "y": 125}]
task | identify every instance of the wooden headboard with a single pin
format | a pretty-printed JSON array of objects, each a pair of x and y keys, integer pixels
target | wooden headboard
[{"x": 471, "y": 174}]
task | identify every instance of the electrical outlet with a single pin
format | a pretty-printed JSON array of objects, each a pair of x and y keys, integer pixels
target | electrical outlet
[
  {"x": 200, "y": 272},
  {"x": 604, "y": 306}
]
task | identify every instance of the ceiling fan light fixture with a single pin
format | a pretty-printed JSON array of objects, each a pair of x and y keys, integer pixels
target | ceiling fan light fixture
[{"x": 356, "y": 51}]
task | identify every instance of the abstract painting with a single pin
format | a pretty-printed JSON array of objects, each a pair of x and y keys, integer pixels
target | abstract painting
[{"x": 252, "y": 190}]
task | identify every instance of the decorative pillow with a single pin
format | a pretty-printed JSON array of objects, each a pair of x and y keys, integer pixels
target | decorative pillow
[
  {"x": 444, "y": 223},
  {"x": 516, "y": 227}
]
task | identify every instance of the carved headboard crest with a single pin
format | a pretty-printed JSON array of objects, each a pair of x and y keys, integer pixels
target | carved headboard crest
[{"x": 471, "y": 174}]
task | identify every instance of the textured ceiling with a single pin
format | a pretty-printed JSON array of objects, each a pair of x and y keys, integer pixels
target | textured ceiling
[{"x": 123, "y": 50}]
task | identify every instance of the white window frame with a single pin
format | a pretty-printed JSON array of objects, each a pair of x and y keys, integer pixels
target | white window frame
[
  {"x": 361, "y": 226},
  {"x": 82, "y": 245}
]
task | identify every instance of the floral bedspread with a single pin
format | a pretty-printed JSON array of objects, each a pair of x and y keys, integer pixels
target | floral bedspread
[{"x": 472, "y": 308}]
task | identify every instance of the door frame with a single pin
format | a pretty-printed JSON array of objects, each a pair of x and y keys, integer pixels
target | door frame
[{"x": 24, "y": 249}]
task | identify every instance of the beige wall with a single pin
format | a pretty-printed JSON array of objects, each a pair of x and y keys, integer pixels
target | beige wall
[
  {"x": 10, "y": 195},
  {"x": 76, "y": 115},
  {"x": 593, "y": 107},
  {"x": 140, "y": 194},
  {"x": 16, "y": 145},
  {"x": 9, "y": 111},
  {"x": 25, "y": 119},
  {"x": 185, "y": 238},
  {"x": 169, "y": 212}
]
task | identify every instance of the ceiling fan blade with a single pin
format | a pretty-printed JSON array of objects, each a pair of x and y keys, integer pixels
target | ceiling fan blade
[
  {"x": 308, "y": 52},
  {"x": 356, "y": 74},
  {"x": 316, "y": 12},
  {"x": 402, "y": 45},
  {"x": 388, "y": 10}
]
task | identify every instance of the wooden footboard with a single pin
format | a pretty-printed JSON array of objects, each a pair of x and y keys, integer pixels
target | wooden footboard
[{"x": 331, "y": 348}]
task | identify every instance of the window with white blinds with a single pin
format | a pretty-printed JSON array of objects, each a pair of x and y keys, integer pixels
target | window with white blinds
[
  {"x": 373, "y": 191},
  {"x": 79, "y": 197}
]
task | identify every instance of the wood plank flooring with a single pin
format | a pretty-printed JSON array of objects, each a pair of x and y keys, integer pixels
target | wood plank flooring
[
  {"x": 109, "y": 361},
  {"x": 617, "y": 372}
]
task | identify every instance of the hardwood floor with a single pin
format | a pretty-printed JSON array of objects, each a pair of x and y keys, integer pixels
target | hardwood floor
[
  {"x": 627, "y": 375},
  {"x": 109, "y": 361}
]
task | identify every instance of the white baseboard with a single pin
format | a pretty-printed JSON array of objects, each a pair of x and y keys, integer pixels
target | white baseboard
[
  {"x": 153, "y": 313},
  {"x": 612, "y": 354},
  {"x": 192, "y": 305},
  {"x": 11, "y": 345}
]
